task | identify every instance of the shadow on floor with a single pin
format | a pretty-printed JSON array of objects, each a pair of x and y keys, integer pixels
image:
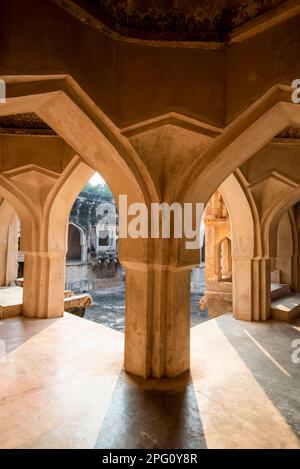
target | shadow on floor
[
  {"x": 152, "y": 414},
  {"x": 269, "y": 361},
  {"x": 17, "y": 330}
]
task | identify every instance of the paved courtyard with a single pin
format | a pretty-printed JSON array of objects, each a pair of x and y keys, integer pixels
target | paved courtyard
[{"x": 109, "y": 304}]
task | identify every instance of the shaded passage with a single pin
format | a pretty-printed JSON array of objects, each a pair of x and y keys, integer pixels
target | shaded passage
[{"x": 152, "y": 414}]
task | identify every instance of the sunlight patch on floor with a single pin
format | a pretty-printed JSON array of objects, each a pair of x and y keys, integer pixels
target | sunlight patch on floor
[
  {"x": 234, "y": 409},
  {"x": 56, "y": 386}
]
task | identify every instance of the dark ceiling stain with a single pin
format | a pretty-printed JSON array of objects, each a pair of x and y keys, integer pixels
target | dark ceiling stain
[
  {"x": 290, "y": 132},
  {"x": 180, "y": 20},
  {"x": 24, "y": 124}
]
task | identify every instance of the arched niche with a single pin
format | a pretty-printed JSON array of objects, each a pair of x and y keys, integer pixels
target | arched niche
[
  {"x": 76, "y": 243},
  {"x": 285, "y": 249},
  {"x": 224, "y": 267}
]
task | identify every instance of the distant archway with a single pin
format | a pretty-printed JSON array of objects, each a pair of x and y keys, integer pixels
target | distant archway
[
  {"x": 281, "y": 221},
  {"x": 225, "y": 263},
  {"x": 8, "y": 243},
  {"x": 75, "y": 242}
]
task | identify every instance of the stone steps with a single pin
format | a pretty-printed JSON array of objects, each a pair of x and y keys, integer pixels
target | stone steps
[
  {"x": 11, "y": 299},
  {"x": 286, "y": 308},
  {"x": 278, "y": 290}
]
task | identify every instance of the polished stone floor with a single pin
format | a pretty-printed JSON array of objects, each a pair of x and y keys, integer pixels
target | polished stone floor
[{"x": 62, "y": 386}]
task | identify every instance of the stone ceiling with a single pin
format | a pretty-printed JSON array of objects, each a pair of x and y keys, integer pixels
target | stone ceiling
[
  {"x": 290, "y": 132},
  {"x": 24, "y": 124},
  {"x": 181, "y": 20}
]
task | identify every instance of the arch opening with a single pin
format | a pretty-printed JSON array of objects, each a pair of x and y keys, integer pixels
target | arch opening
[
  {"x": 284, "y": 254},
  {"x": 95, "y": 279},
  {"x": 11, "y": 262},
  {"x": 216, "y": 298}
]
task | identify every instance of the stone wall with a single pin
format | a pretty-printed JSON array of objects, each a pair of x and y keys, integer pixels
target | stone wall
[{"x": 82, "y": 277}]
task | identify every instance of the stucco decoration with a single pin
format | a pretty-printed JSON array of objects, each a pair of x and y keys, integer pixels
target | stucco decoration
[{"x": 195, "y": 20}]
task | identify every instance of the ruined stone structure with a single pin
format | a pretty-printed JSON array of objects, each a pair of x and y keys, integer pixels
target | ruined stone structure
[
  {"x": 92, "y": 227},
  {"x": 92, "y": 253}
]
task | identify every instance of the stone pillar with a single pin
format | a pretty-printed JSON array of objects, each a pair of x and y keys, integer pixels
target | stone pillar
[
  {"x": 261, "y": 284},
  {"x": 138, "y": 319},
  {"x": 212, "y": 254},
  {"x": 83, "y": 255},
  {"x": 12, "y": 253},
  {"x": 178, "y": 322},
  {"x": 43, "y": 290},
  {"x": 218, "y": 265},
  {"x": 157, "y": 324},
  {"x": 297, "y": 273},
  {"x": 295, "y": 269},
  {"x": 3, "y": 257},
  {"x": 226, "y": 257},
  {"x": 251, "y": 288}
]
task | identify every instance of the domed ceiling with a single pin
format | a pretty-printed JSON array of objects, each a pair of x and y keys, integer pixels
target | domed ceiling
[{"x": 180, "y": 20}]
